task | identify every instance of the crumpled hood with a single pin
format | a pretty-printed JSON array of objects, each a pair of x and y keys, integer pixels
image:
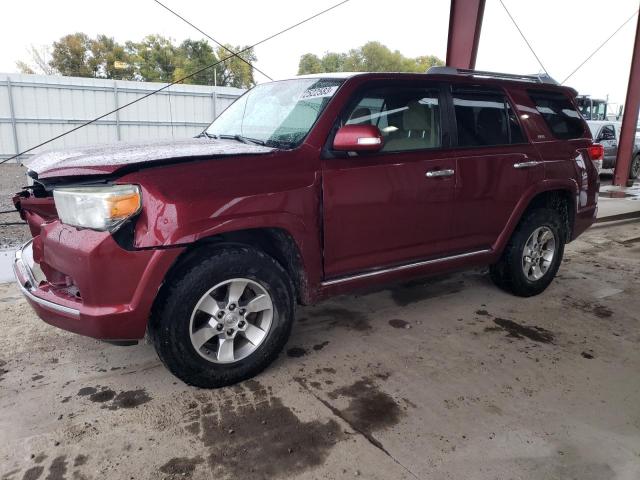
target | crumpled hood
[{"x": 107, "y": 158}]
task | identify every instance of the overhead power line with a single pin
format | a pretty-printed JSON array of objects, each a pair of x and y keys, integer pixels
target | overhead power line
[
  {"x": 211, "y": 38},
  {"x": 599, "y": 47},
  {"x": 89, "y": 122},
  {"x": 523, "y": 37}
]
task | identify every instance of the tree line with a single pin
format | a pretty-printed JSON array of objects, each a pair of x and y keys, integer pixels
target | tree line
[
  {"x": 159, "y": 59},
  {"x": 371, "y": 57},
  {"x": 153, "y": 59}
]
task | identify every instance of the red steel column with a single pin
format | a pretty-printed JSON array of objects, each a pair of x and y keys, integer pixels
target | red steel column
[
  {"x": 465, "y": 23},
  {"x": 630, "y": 117}
]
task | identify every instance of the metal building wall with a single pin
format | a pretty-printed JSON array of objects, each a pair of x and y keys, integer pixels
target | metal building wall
[{"x": 34, "y": 108}]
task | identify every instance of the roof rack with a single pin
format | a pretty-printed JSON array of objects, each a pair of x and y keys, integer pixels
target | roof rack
[{"x": 536, "y": 78}]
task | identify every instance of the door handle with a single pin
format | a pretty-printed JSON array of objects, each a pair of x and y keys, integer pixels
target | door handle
[
  {"x": 440, "y": 173},
  {"x": 526, "y": 164}
]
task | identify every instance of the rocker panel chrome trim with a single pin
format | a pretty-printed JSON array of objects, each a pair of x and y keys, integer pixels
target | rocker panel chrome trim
[{"x": 407, "y": 266}]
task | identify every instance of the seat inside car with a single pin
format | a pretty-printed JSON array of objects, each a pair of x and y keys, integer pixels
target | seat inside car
[
  {"x": 491, "y": 128},
  {"x": 416, "y": 131}
]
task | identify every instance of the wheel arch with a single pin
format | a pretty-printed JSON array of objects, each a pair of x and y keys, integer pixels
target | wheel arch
[
  {"x": 560, "y": 200},
  {"x": 561, "y": 197},
  {"x": 274, "y": 241}
]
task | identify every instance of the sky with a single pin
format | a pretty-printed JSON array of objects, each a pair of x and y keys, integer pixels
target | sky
[{"x": 562, "y": 32}]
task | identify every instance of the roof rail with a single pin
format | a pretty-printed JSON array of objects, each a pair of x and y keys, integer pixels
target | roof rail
[{"x": 536, "y": 78}]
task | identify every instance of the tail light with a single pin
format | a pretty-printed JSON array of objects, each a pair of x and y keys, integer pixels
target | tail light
[{"x": 596, "y": 152}]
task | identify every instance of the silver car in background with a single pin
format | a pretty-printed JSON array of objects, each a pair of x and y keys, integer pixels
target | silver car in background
[{"x": 607, "y": 134}]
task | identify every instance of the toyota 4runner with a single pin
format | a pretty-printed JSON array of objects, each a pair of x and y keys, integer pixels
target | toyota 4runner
[{"x": 303, "y": 189}]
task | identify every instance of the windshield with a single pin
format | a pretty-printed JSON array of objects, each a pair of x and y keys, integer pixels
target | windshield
[
  {"x": 278, "y": 114},
  {"x": 592, "y": 109}
]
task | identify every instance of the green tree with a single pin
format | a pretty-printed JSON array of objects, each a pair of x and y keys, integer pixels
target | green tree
[
  {"x": 194, "y": 55},
  {"x": 109, "y": 59},
  {"x": 333, "y": 62},
  {"x": 80, "y": 56},
  {"x": 371, "y": 57},
  {"x": 423, "y": 63},
  {"x": 155, "y": 58},
  {"x": 70, "y": 55},
  {"x": 235, "y": 72},
  {"x": 310, "y": 63}
]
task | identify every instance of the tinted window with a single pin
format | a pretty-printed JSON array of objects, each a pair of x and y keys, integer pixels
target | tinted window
[
  {"x": 561, "y": 117},
  {"x": 409, "y": 118},
  {"x": 484, "y": 117}
]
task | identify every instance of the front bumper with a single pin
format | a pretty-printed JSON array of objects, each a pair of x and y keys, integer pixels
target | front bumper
[
  {"x": 26, "y": 270},
  {"x": 84, "y": 282}
]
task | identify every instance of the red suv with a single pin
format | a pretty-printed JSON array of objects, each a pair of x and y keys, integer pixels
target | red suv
[{"x": 300, "y": 190}]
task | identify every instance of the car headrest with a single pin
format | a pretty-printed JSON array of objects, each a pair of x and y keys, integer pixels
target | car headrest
[
  {"x": 415, "y": 117},
  {"x": 360, "y": 116}
]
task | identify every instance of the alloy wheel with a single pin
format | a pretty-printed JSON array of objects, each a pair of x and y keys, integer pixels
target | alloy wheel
[
  {"x": 231, "y": 320},
  {"x": 538, "y": 253}
]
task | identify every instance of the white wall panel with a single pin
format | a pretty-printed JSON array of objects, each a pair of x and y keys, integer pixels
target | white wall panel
[{"x": 46, "y": 106}]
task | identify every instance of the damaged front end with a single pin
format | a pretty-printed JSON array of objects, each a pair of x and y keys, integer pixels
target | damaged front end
[{"x": 86, "y": 280}]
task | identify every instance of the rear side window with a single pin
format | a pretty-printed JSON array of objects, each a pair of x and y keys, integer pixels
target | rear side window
[
  {"x": 560, "y": 115},
  {"x": 484, "y": 117}
]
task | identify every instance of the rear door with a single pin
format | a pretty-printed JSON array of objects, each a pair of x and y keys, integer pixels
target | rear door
[
  {"x": 495, "y": 165},
  {"x": 393, "y": 206}
]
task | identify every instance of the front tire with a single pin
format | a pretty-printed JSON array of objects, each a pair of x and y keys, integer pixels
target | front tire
[
  {"x": 224, "y": 317},
  {"x": 533, "y": 255}
]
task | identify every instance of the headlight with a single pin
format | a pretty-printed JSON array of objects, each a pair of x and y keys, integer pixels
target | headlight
[{"x": 98, "y": 208}]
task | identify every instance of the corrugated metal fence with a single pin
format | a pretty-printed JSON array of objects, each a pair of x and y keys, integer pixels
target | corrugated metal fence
[{"x": 34, "y": 108}]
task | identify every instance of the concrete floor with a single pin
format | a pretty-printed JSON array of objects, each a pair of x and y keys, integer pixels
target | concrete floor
[{"x": 447, "y": 379}]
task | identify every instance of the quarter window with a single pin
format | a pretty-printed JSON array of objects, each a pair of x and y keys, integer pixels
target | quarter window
[
  {"x": 484, "y": 117},
  {"x": 559, "y": 114},
  {"x": 408, "y": 118}
]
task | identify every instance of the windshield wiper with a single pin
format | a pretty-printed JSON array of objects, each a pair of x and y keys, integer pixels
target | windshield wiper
[
  {"x": 243, "y": 139},
  {"x": 206, "y": 134}
]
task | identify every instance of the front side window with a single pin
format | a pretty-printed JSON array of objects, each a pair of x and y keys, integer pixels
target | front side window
[
  {"x": 408, "y": 118},
  {"x": 607, "y": 133},
  {"x": 484, "y": 117},
  {"x": 559, "y": 114},
  {"x": 278, "y": 114}
]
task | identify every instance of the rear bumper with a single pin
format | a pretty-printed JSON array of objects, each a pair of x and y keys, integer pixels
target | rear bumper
[
  {"x": 109, "y": 291},
  {"x": 609, "y": 163}
]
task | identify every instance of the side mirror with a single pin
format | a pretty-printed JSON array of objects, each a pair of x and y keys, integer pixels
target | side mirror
[{"x": 358, "y": 138}]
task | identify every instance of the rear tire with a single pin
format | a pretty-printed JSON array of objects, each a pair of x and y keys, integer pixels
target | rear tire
[
  {"x": 533, "y": 255},
  {"x": 634, "y": 171},
  {"x": 224, "y": 317}
]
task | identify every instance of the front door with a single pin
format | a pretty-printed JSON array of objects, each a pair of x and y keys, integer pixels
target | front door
[{"x": 393, "y": 206}]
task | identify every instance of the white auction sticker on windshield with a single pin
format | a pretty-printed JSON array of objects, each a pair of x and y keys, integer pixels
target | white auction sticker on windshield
[{"x": 319, "y": 92}]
